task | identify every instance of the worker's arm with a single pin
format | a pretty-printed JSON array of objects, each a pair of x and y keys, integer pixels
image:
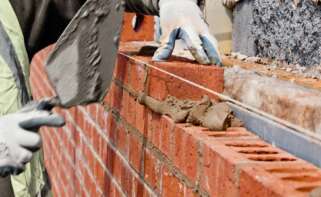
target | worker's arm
[
  {"x": 43, "y": 21},
  {"x": 19, "y": 137},
  {"x": 180, "y": 19}
]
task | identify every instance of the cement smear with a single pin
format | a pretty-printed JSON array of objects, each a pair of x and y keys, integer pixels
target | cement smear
[
  {"x": 206, "y": 113},
  {"x": 280, "y": 29}
]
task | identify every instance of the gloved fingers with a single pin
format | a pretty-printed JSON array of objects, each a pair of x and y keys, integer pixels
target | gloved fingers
[
  {"x": 28, "y": 139},
  {"x": 42, "y": 118},
  {"x": 9, "y": 166},
  {"x": 167, "y": 46},
  {"x": 23, "y": 156},
  {"x": 194, "y": 44},
  {"x": 211, "y": 48}
]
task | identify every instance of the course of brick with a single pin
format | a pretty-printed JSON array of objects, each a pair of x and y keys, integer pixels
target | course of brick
[{"x": 120, "y": 148}]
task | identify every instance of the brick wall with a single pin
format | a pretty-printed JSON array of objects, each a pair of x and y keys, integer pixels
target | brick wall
[{"x": 120, "y": 148}]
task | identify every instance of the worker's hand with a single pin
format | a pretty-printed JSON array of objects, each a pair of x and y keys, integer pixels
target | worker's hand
[
  {"x": 316, "y": 1},
  {"x": 183, "y": 19},
  {"x": 230, "y": 3},
  {"x": 19, "y": 137}
]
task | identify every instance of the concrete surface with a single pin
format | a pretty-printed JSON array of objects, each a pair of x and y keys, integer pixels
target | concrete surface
[{"x": 280, "y": 30}]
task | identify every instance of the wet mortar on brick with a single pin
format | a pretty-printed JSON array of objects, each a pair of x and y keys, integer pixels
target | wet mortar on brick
[{"x": 216, "y": 116}]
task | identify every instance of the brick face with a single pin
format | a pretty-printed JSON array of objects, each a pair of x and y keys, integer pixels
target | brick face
[{"x": 120, "y": 148}]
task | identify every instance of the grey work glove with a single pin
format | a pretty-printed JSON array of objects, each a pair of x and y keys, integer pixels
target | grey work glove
[
  {"x": 183, "y": 19},
  {"x": 19, "y": 137}
]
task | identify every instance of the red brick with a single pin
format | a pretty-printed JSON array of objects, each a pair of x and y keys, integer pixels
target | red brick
[
  {"x": 145, "y": 32},
  {"x": 96, "y": 140},
  {"x": 124, "y": 105},
  {"x": 191, "y": 155},
  {"x": 116, "y": 168},
  {"x": 122, "y": 140},
  {"x": 110, "y": 158},
  {"x": 138, "y": 76},
  {"x": 153, "y": 128},
  {"x": 139, "y": 189},
  {"x": 255, "y": 185},
  {"x": 111, "y": 128},
  {"x": 219, "y": 169},
  {"x": 135, "y": 152},
  {"x": 188, "y": 192},
  {"x": 179, "y": 145},
  {"x": 107, "y": 185},
  {"x": 167, "y": 129},
  {"x": 141, "y": 119},
  {"x": 114, "y": 96},
  {"x": 208, "y": 76},
  {"x": 151, "y": 170},
  {"x": 171, "y": 186},
  {"x": 77, "y": 185},
  {"x": 122, "y": 70},
  {"x": 126, "y": 180},
  {"x": 99, "y": 175},
  {"x": 161, "y": 85},
  {"x": 130, "y": 116},
  {"x": 102, "y": 117},
  {"x": 296, "y": 178}
]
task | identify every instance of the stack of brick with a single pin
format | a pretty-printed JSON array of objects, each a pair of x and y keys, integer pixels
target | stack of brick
[{"x": 119, "y": 147}]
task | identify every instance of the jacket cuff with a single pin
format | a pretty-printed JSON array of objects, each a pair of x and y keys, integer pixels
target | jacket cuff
[
  {"x": 146, "y": 7},
  {"x": 149, "y": 7}
]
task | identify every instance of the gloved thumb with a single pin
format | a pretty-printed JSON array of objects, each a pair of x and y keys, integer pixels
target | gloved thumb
[
  {"x": 167, "y": 46},
  {"x": 211, "y": 49},
  {"x": 42, "y": 119}
]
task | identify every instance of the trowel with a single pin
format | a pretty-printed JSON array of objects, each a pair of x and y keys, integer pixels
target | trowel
[{"x": 80, "y": 68}]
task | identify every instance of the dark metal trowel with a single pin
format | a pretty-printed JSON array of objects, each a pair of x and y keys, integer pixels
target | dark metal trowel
[{"x": 81, "y": 66}]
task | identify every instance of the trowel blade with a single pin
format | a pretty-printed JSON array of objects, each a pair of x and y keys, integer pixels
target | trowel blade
[{"x": 80, "y": 68}]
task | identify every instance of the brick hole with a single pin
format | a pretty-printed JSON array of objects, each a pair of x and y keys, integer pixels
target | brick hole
[
  {"x": 259, "y": 152},
  {"x": 289, "y": 170},
  {"x": 245, "y": 145},
  {"x": 306, "y": 188},
  {"x": 271, "y": 158},
  {"x": 302, "y": 178},
  {"x": 227, "y": 134},
  {"x": 188, "y": 125}
]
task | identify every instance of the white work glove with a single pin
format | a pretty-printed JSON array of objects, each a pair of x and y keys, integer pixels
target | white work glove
[
  {"x": 230, "y": 3},
  {"x": 183, "y": 19},
  {"x": 19, "y": 137}
]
